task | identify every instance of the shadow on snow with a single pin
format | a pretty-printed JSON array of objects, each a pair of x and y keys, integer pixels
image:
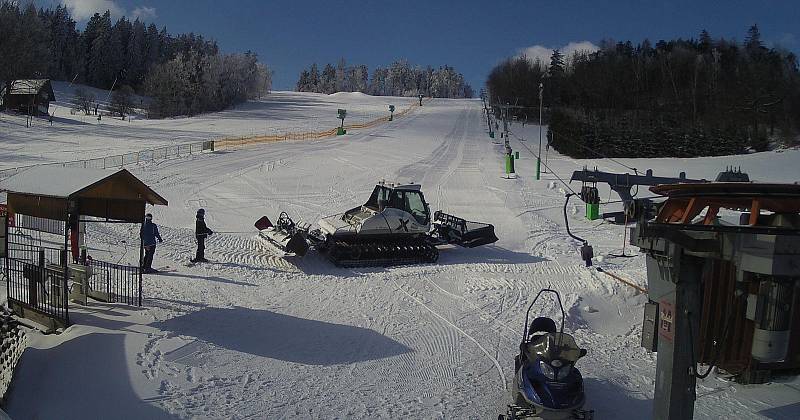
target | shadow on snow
[
  {"x": 610, "y": 401},
  {"x": 284, "y": 337},
  {"x": 86, "y": 377}
]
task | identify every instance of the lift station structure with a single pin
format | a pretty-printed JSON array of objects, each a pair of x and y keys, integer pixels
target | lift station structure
[{"x": 721, "y": 293}]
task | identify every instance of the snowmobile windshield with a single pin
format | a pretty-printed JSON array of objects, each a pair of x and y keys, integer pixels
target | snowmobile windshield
[{"x": 553, "y": 346}]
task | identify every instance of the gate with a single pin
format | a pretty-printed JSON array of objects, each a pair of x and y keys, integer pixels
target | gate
[
  {"x": 115, "y": 283},
  {"x": 36, "y": 274}
]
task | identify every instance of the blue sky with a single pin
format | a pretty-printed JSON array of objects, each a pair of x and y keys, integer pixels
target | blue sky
[{"x": 470, "y": 35}]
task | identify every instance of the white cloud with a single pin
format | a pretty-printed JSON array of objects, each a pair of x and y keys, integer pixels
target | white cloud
[
  {"x": 84, "y": 9},
  {"x": 543, "y": 53},
  {"x": 144, "y": 13}
]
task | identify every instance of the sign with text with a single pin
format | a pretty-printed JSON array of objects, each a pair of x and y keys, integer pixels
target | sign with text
[{"x": 666, "y": 320}]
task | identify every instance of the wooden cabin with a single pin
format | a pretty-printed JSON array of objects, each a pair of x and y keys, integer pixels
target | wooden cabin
[{"x": 28, "y": 96}]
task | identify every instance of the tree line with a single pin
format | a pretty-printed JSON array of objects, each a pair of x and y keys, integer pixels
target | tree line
[
  {"x": 398, "y": 79},
  {"x": 127, "y": 55},
  {"x": 681, "y": 97}
]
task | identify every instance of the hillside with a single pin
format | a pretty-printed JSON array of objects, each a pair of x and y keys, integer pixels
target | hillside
[{"x": 76, "y": 136}]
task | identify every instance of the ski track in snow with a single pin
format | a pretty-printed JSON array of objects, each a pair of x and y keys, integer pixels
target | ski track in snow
[{"x": 257, "y": 335}]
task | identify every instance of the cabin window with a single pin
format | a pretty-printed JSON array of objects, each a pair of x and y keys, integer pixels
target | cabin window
[{"x": 415, "y": 204}]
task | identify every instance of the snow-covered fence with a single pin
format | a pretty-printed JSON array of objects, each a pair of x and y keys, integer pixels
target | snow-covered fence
[{"x": 12, "y": 342}]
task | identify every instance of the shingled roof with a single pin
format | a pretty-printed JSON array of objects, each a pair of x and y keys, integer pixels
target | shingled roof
[{"x": 32, "y": 87}]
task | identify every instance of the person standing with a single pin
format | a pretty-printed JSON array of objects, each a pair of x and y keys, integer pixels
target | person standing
[
  {"x": 201, "y": 232},
  {"x": 149, "y": 234}
]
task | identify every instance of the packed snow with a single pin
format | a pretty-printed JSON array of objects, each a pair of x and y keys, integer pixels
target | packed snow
[{"x": 257, "y": 335}]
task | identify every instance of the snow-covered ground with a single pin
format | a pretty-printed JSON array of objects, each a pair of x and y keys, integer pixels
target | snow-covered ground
[
  {"x": 74, "y": 136},
  {"x": 253, "y": 335}
]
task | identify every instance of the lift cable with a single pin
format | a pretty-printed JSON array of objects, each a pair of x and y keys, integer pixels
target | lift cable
[
  {"x": 562, "y": 137},
  {"x": 543, "y": 164}
]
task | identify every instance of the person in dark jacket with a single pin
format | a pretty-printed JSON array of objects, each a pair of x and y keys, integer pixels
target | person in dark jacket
[
  {"x": 149, "y": 234},
  {"x": 201, "y": 231}
]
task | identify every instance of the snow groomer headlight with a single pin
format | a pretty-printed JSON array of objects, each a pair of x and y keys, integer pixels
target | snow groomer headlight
[{"x": 547, "y": 371}]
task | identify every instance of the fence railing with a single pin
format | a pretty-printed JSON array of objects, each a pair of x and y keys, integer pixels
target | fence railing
[
  {"x": 117, "y": 283},
  {"x": 40, "y": 288},
  {"x": 187, "y": 149},
  {"x": 126, "y": 159},
  {"x": 230, "y": 143}
]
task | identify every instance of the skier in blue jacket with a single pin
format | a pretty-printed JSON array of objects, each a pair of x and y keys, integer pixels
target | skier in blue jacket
[{"x": 149, "y": 234}]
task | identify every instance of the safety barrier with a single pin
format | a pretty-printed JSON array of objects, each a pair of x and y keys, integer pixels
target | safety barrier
[{"x": 231, "y": 143}]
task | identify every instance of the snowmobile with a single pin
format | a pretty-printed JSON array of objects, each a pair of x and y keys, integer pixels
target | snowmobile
[
  {"x": 395, "y": 226},
  {"x": 547, "y": 385}
]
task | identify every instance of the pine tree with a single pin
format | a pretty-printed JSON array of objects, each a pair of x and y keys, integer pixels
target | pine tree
[
  {"x": 314, "y": 80},
  {"x": 97, "y": 41},
  {"x": 556, "y": 68},
  {"x": 328, "y": 79},
  {"x": 361, "y": 78},
  {"x": 705, "y": 43},
  {"x": 152, "y": 47},
  {"x": 341, "y": 84},
  {"x": 303, "y": 82},
  {"x": 135, "y": 55},
  {"x": 32, "y": 53},
  {"x": 753, "y": 40},
  {"x": 377, "y": 85}
]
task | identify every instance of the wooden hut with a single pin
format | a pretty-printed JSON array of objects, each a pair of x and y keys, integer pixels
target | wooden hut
[{"x": 28, "y": 96}]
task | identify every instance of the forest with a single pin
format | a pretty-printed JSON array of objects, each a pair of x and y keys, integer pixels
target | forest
[
  {"x": 184, "y": 74},
  {"x": 695, "y": 97},
  {"x": 398, "y": 79}
]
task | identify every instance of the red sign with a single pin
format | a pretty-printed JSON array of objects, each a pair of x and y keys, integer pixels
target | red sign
[
  {"x": 4, "y": 211},
  {"x": 666, "y": 320}
]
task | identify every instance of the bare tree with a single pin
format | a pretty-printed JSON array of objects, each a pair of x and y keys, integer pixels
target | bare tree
[
  {"x": 83, "y": 100},
  {"x": 122, "y": 101}
]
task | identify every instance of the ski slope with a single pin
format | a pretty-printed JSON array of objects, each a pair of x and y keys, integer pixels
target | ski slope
[
  {"x": 254, "y": 335},
  {"x": 74, "y": 136}
]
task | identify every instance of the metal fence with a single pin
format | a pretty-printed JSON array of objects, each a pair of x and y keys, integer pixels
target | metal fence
[
  {"x": 36, "y": 274},
  {"x": 39, "y": 288},
  {"x": 117, "y": 283},
  {"x": 127, "y": 159}
]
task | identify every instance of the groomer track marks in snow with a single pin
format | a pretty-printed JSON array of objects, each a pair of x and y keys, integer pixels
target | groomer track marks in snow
[{"x": 428, "y": 341}]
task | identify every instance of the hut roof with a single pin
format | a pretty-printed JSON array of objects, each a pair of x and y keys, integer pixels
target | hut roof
[
  {"x": 32, "y": 87},
  {"x": 46, "y": 191}
]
